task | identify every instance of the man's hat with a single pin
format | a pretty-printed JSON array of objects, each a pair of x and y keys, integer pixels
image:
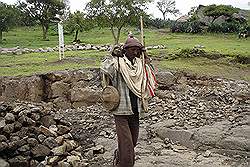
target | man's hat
[{"x": 132, "y": 41}]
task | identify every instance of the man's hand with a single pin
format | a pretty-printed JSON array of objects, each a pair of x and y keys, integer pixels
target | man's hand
[{"x": 117, "y": 51}]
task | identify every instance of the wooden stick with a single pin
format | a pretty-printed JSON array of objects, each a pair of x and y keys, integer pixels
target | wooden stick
[
  {"x": 142, "y": 34},
  {"x": 143, "y": 65}
]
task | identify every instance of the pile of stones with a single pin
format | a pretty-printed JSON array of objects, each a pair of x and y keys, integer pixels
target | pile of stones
[
  {"x": 74, "y": 47},
  {"x": 31, "y": 136},
  {"x": 195, "y": 101}
]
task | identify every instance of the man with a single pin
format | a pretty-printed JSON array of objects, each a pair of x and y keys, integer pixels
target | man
[{"x": 124, "y": 70}]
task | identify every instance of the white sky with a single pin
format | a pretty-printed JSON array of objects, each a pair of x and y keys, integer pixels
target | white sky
[{"x": 183, "y": 5}]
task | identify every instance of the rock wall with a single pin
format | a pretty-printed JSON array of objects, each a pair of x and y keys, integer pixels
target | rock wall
[
  {"x": 65, "y": 89},
  {"x": 72, "y": 89},
  {"x": 18, "y": 51}
]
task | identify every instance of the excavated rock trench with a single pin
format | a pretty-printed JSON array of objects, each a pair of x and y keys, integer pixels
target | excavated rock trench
[{"x": 193, "y": 121}]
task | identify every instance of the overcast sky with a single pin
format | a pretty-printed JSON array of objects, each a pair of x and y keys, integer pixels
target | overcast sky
[{"x": 183, "y": 5}]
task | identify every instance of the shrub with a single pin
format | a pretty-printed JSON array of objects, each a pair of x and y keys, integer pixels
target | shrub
[
  {"x": 196, "y": 27},
  {"x": 185, "y": 53},
  {"x": 180, "y": 27},
  {"x": 227, "y": 27},
  {"x": 230, "y": 27},
  {"x": 242, "y": 59},
  {"x": 214, "y": 28},
  {"x": 158, "y": 23},
  {"x": 187, "y": 27}
]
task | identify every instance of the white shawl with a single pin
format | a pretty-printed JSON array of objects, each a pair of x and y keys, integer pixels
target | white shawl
[{"x": 133, "y": 75}]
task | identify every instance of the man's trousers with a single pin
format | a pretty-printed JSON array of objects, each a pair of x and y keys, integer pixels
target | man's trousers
[{"x": 127, "y": 129}]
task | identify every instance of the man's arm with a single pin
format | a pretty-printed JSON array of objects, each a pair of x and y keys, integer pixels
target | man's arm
[{"x": 108, "y": 71}]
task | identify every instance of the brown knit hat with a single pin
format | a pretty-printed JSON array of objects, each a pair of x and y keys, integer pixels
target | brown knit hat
[{"x": 132, "y": 41}]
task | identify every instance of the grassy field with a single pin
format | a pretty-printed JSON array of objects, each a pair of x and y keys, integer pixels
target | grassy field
[
  {"x": 223, "y": 43},
  {"x": 201, "y": 66},
  {"x": 27, "y": 64}
]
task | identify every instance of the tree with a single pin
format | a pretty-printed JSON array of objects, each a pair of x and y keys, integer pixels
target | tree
[
  {"x": 116, "y": 13},
  {"x": 23, "y": 18},
  {"x": 167, "y": 6},
  {"x": 215, "y": 11},
  {"x": 44, "y": 11},
  {"x": 77, "y": 22},
  {"x": 193, "y": 11},
  {"x": 7, "y": 18}
]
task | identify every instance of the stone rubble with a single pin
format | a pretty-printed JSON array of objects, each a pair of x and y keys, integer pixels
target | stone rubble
[
  {"x": 30, "y": 137},
  {"x": 74, "y": 47}
]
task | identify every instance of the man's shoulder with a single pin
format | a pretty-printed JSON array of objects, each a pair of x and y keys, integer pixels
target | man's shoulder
[
  {"x": 107, "y": 64},
  {"x": 108, "y": 59}
]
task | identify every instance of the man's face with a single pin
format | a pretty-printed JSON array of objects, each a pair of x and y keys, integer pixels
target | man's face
[{"x": 133, "y": 52}]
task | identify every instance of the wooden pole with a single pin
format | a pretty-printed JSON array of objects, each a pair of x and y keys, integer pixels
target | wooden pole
[
  {"x": 143, "y": 72},
  {"x": 142, "y": 33},
  {"x": 61, "y": 37}
]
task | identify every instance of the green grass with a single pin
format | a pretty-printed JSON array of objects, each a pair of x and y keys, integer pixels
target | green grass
[
  {"x": 204, "y": 66},
  {"x": 37, "y": 63},
  {"x": 224, "y": 44},
  {"x": 28, "y": 64}
]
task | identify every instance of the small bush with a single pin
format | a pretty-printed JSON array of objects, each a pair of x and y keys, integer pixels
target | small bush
[
  {"x": 187, "y": 27},
  {"x": 185, "y": 53},
  {"x": 158, "y": 23},
  {"x": 180, "y": 27},
  {"x": 227, "y": 27},
  {"x": 230, "y": 27},
  {"x": 242, "y": 59},
  {"x": 196, "y": 27},
  {"x": 214, "y": 28}
]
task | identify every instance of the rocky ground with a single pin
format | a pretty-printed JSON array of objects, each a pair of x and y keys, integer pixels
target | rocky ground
[{"x": 193, "y": 121}]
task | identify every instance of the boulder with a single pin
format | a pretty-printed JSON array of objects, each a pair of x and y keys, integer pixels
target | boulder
[
  {"x": 40, "y": 151},
  {"x": 62, "y": 103},
  {"x": 165, "y": 79},
  {"x": 180, "y": 136},
  {"x": 60, "y": 150},
  {"x": 9, "y": 118},
  {"x": 85, "y": 95},
  {"x": 10, "y": 89},
  {"x": 35, "y": 89},
  {"x": 8, "y": 128},
  {"x": 47, "y": 132},
  {"x": 32, "y": 142},
  {"x": 50, "y": 142},
  {"x": 3, "y": 138},
  {"x": 19, "y": 161},
  {"x": 2, "y": 123},
  {"x": 238, "y": 140},
  {"x": 4, "y": 163},
  {"x": 211, "y": 135},
  {"x": 47, "y": 120},
  {"x": 63, "y": 129},
  {"x": 59, "y": 89},
  {"x": 81, "y": 75},
  {"x": 58, "y": 76},
  {"x": 166, "y": 124},
  {"x": 73, "y": 160}
]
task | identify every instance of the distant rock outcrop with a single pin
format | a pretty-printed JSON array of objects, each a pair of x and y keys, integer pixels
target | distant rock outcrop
[{"x": 242, "y": 15}]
